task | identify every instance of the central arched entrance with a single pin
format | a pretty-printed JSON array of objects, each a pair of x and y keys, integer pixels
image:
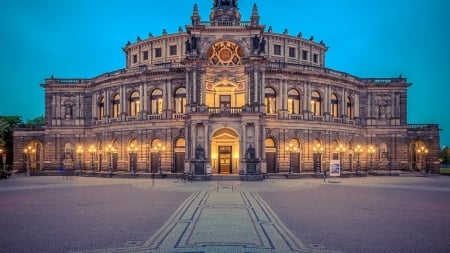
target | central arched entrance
[{"x": 225, "y": 151}]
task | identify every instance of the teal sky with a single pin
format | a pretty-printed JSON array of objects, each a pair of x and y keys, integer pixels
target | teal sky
[{"x": 83, "y": 39}]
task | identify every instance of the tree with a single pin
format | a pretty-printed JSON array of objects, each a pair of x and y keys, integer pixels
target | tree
[
  {"x": 7, "y": 124},
  {"x": 36, "y": 121},
  {"x": 445, "y": 155}
]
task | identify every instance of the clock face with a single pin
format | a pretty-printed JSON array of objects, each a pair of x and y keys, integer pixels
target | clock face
[{"x": 225, "y": 53}]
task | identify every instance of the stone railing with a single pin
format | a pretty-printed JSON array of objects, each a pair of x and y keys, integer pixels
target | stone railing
[
  {"x": 279, "y": 66},
  {"x": 225, "y": 23}
]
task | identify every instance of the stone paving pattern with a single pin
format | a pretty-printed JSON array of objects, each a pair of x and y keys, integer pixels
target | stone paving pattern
[{"x": 82, "y": 214}]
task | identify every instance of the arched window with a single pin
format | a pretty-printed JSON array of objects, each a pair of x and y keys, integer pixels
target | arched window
[
  {"x": 180, "y": 100},
  {"x": 349, "y": 108},
  {"x": 316, "y": 101},
  {"x": 101, "y": 108},
  {"x": 334, "y": 106},
  {"x": 270, "y": 101},
  {"x": 293, "y": 102},
  {"x": 134, "y": 103},
  {"x": 116, "y": 106},
  {"x": 156, "y": 101}
]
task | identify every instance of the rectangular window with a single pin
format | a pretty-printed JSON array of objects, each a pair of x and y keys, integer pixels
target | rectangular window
[
  {"x": 305, "y": 55},
  {"x": 292, "y": 52},
  {"x": 315, "y": 58},
  {"x": 134, "y": 58},
  {"x": 173, "y": 50},
  {"x": 276, "y": 49},
  {"x": 158, "y": 52},
  {"x": 145, "y": 55}
]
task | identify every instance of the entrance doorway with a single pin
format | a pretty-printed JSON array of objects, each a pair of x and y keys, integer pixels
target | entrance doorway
[{"x": 225, "y": 159}]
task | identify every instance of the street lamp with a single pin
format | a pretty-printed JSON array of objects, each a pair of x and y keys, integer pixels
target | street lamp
[
  {"x": 340, "y": 149},
  {"x": 317, "y": 150},
  {"x": 28, "y": 152},
  {"x": 158, "y": 148},
  {"x": 132, "y": 150},
  {"x": 109, "y": 151},
  {"x": 1, "y": 152},
  {"x": 422, "y": 151},
  {"x": 92, "y": 151},
  {"x": 371, "y": 151},
  {"x": 79, "y": 154},
  {"x": 289, "y": 149},
  {"x": 358, "y": 151}
]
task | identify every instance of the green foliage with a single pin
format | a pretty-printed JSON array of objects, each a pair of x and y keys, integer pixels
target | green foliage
[
  {"x": 36, "y": 121},
  {"x": 445, "y": 155},
  {"x": 7, "y": 124}
]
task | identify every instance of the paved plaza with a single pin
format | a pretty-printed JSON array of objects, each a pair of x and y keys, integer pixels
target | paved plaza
[{"x": 405, "y": 213}]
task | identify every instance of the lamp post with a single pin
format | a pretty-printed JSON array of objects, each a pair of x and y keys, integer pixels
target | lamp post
[
  {"x": 79, "y": 154},
  {"x": 92, "y": 151},
  {"x": 371, "y": 151},
  {"x": 159, "y": 148},
  {"x": 1, "y": 152},
  {"x": 28, "y": 152},
  {"x": 358, "y": 151},
  {"x": 290, "y": 149},
  {"x": 132, "y": 150},
  {"x": 422, "y": 151},
  {"x": 317, "y": 150},
  {"x": 109, "y": 151},
  {"x": 339, "y": 150}
]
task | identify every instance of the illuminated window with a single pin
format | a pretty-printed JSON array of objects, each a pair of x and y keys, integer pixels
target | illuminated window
[
  {"x": 316, "y": 109},
  {"x": 334, "y": 106},
  {"x": 349, "y": 108},
  {"x": 156, "y": 101},
  {"x": 116, "y": 106},
  {"x": 293, "y": 102},
  {"x": 270, "y": 100},
  {"x": 101, "y": 108},
  {"x": 134, "y": 103},
  {"x": 180, "y": 100}
]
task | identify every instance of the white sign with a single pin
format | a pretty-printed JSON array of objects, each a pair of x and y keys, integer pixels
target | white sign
[{"x": 335, "y": 168}]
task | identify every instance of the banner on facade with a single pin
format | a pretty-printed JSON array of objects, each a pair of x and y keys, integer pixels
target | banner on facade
[{"x": 335, "y": 168}]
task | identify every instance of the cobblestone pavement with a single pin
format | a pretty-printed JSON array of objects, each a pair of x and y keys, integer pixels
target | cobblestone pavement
[{"x": 82, "y": 214}]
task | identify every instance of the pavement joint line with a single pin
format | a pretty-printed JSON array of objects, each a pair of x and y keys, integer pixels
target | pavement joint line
[{"x": 222, "y": 221}]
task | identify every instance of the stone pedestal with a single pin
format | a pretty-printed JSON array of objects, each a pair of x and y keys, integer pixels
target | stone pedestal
[
  {"x": 199, "y": 170},
  {"x": 252, "y": 170}
]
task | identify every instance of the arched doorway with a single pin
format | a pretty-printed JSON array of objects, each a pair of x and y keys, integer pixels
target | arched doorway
[
  {"x": 225, "y": 151},
  {"x": 418, "y": 153},
  {"x": 33, "y": 156},
  {"x": 271, "y": 155},
  {"x": 180, "y": 145}
]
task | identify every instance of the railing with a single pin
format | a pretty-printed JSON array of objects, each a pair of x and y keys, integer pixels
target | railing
[
  {"x": 68, "y": 81},
  {"x": 29, "y": 127},
  {"x": 224, "y": 110},
  {"x": 154, "y": 117},
  {"x": 422, "y": 126},
  {"x": 280, "y": 65},
  {"x": 295, "y": 117},
  {"x": 225, "y": 23},
  {"x": 178, "y": 115}
]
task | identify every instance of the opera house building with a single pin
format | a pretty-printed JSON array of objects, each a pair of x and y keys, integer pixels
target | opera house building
[{"x": 225, "y": 96}]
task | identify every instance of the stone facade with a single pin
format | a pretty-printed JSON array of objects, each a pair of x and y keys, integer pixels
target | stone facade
[{"x": 226, "y": 84}]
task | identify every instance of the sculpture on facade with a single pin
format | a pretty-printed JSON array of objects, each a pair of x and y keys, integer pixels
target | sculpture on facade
[
  {"x": 199, "y": 152},
  {"x": 250, "y": 154}
]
